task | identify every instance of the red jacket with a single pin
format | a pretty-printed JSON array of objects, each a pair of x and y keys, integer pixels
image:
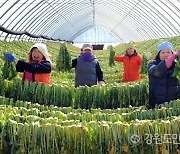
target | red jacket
[{"x": 131, "y": 67}]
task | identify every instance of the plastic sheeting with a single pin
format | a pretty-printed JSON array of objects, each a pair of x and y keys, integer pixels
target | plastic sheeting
[{"x": 66, "y": 19}]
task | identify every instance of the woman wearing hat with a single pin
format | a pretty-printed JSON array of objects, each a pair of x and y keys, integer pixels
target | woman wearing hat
[
  {"x": 38, "y": 65},
  {"x": 163, "y": 87},
  {"x": 87, "y": 69},
  {"x": 132, "y": 62}
]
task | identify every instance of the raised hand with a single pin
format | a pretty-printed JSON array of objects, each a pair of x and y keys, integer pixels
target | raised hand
[{"x": 10, "y": 57}]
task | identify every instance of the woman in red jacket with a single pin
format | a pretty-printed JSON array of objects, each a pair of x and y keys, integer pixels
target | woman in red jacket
[
  {"x": 132, "y": 62},
  {"x": 38, "y": 65}
]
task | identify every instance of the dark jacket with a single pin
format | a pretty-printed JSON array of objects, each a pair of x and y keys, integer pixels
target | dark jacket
[
  {"x": 162, "y": 86},
  {"x": 41, "y": 72},
  {"x": 85, "y": 72}
]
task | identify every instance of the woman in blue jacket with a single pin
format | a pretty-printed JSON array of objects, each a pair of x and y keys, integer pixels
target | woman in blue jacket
[{"x": 163, "y": 87}]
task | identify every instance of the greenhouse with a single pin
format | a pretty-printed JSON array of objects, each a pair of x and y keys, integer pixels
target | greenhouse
[{"x": 90, "y": 76}]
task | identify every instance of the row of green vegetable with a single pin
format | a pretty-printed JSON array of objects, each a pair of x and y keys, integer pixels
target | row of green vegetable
[
  {"x": 26, "y": 115},
  {"x": 105, "y": 97},
  {"x": 140, "y": 136}
]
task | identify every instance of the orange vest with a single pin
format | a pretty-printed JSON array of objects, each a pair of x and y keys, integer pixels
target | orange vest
[
  {"x": 131, "y": 67},
  {"x": 40, "y": 77}
]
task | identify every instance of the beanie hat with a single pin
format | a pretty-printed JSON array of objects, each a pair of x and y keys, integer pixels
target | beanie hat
[
  {"x": 131, "y": 44},
  {"x": 43, "y": 49},
  {"x": 165, "y": 45}
]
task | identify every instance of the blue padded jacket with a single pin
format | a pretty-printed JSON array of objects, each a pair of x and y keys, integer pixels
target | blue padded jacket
[{"x": 163, "y": 87}]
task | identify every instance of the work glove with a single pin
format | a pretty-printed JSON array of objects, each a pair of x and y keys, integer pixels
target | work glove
[
  {"x": 101, "y": 83},
  {"x": 171, "y": 58},
  {"x": 177, "y": 53},
  {"x": 10, "y": 57}
]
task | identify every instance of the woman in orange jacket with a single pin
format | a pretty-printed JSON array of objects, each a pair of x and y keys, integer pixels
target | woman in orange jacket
[
  {"x": 132, "y": 62},
  {"x": 38, "y": 65}
]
